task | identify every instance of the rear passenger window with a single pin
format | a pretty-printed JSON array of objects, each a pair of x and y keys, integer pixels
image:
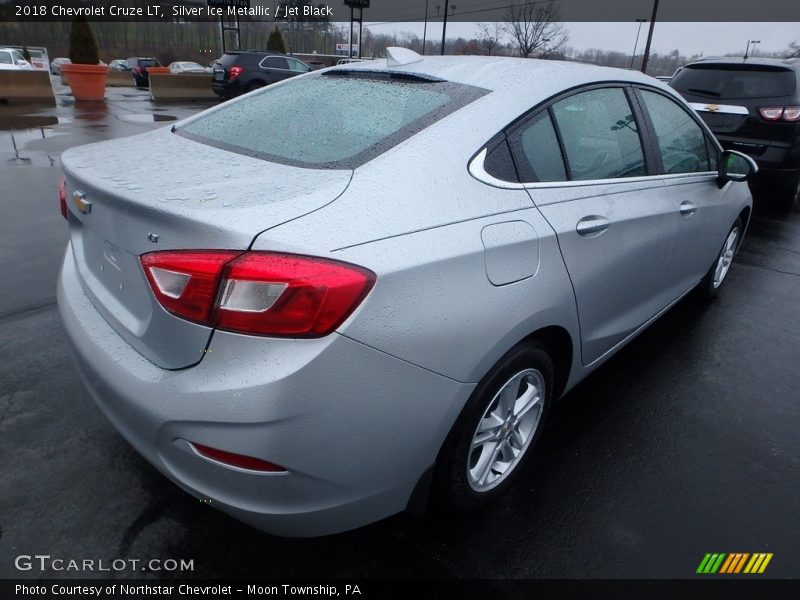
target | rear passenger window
[
  {"x": 600, "y": 135},
  {"x": 536, "y": 149},
  {"x": 498, "y": 162},
  {"x": 276, "y": 62},
  {"x": 681, "y": 140}
]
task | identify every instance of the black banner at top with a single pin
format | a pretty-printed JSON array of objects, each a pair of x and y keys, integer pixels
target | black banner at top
[{"x": 396, "y": 11}]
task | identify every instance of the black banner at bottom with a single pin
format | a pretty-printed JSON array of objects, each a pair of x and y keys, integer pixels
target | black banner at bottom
[{"x": 438, "y": 589}]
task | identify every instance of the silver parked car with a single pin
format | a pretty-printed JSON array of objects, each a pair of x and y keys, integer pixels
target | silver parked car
[{"x": 367, "y": 285}]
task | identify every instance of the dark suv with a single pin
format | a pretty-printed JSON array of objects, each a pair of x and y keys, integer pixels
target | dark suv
[
  {"x": 137, "y": 65},
  {"x": 752, "y": 105},
  {"x": 243, "y": 71}
]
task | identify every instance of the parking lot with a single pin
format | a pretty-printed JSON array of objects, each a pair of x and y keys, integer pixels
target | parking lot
[{"x": 684, "y": 443}]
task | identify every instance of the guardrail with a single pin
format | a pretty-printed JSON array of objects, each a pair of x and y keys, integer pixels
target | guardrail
[
  {"x": 25, "y": 87},
  {"x": 170, "y": 87}
]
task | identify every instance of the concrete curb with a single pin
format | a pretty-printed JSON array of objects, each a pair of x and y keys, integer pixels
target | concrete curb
[
  {"x": 26, "y": 87},
  {"x": 184, "y": 86},
  {"x": 119, "y": 79}
]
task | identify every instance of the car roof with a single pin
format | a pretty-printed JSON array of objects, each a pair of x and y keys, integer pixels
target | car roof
[
  {"x": 793, "y": 63},
  {"x": 518, "y": 83},
  {"x": 498, "y": 72}
]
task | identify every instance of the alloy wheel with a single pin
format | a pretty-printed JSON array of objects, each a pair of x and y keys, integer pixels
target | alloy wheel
[
  {"x": 726, "y": 257},
  {"x": 505, "y": 430}
]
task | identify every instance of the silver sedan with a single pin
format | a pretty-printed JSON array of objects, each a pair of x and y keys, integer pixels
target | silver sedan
[{"x": 362, "y": 289}]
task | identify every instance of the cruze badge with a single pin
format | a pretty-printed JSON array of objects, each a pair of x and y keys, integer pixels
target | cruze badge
[
  {"x": 81, "y": 203},
  {"x": 712, "y": 107}
]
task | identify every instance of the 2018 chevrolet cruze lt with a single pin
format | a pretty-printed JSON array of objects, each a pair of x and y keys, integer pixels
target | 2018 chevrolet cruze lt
[{"x": 347, "y": 293}]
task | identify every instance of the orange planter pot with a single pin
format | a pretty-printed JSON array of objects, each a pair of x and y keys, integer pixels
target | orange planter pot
[
  {"x": 162, "y": 70},
  {"x": 88, "y": 82}
]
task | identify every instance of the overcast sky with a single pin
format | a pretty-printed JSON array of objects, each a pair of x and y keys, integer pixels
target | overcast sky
[{"x": 688, "y": 38}]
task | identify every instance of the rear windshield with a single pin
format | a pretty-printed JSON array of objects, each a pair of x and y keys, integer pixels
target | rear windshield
[
  {"x": 147, "y": 62},
  {"x": 735, "y": 81},
  {"x": 329, "y": 121}
]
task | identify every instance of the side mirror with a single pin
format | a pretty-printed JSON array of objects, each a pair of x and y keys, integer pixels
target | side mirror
[
  {"x": 22, "y": 63},
  {"x": 735, "y": 166}
]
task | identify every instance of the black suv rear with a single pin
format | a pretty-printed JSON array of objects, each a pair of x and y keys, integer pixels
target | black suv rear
[
  {"x": 137, "y": 65},
  {"x": 752, "y": 105},
  {"x": 243, "y": 71}
]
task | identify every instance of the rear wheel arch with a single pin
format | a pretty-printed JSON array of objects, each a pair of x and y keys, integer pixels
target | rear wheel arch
[
  {"x": 558, "y": 344},
  {"x": 745, "y": 217}
]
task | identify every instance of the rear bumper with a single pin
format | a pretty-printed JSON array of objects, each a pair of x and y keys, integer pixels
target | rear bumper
[{"x": 355, "y": 428}]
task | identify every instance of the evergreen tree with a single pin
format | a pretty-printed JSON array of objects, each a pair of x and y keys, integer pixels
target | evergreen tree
[
  {"x": 82, "y": 44},
  {"x": 275, "y": 42}
]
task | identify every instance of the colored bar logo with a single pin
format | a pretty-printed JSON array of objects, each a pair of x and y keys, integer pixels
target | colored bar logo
[{"x": 731, "y": 564}]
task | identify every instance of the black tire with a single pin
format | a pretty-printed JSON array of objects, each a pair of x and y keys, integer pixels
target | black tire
[
  {"x": 452, "y": 489},
  {"x": 790, "y": 196},
  {"x": 709, "y": 287}
]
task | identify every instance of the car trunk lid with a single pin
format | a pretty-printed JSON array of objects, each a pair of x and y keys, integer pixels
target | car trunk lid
[{"x": 160, "y": 191}]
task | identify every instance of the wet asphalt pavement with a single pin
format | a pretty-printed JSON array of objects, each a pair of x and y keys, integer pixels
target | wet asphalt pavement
[{"x": 685, "y": 443}]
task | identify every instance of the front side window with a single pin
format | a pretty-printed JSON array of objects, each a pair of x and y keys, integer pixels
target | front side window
[
  {"x": 681, "y": 140},
  {"x": 296, "y": 65},
  {"x": 600, "y": 135}
]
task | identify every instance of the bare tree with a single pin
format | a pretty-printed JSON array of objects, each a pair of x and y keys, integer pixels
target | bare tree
[
  {"x": 489, "y": 35},
  {"x": 794, "y": 49},
  {"x": 533, "y": 25}
]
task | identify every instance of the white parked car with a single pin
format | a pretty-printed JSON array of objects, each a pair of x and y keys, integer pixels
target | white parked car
[
  {"x": 188, "y": 67},
  {"x": 12, "y": 60}
]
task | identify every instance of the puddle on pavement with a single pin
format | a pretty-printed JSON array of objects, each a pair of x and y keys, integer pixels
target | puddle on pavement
[
  {"x": 21, "y": 122},
  {"x": 146, "y": 118}
]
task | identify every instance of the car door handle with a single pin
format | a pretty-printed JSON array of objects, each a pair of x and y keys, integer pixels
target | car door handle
[
  {"x": 591, "y": 226},
  {"x": 687, "y": 208}
]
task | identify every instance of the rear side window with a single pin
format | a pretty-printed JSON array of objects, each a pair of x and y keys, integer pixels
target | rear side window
[
  {"x": 538, "y": 154},
  {"x": 275, "y": 62},
  {"x": 336, "y": 120},
  {"x": 600, "y": 135},
  {"x": 736, "y": 82},
  {"x": 681, "y": 140}
]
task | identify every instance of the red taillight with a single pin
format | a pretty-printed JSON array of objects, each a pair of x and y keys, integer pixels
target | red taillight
[
  {"x": 778, "y": 113},
  {"x": 262, "y": 293},
  {"x": 62, "y": 196},
  {"x": 234, "y": 72},
  {"x": 238, "y": 460},
  {"x": 791, "y": 113},
  {"x": 185, "y": 283},
  {"x": 771, "y": 113}
]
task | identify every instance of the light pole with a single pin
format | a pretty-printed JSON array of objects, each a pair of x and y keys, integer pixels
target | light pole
[
  {"x": 646, "y": 57},
  {"x": 444, "y": 23},
  {"x": 747, "y": 49},
  {"x": 425, "y": 30},
  {"x": 636, "y": 43}
]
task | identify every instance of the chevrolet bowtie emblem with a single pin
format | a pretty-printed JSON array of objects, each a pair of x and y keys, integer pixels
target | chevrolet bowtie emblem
[
  {"x": 81, "y": 203},
  {"x": 712, "y": 107}
]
